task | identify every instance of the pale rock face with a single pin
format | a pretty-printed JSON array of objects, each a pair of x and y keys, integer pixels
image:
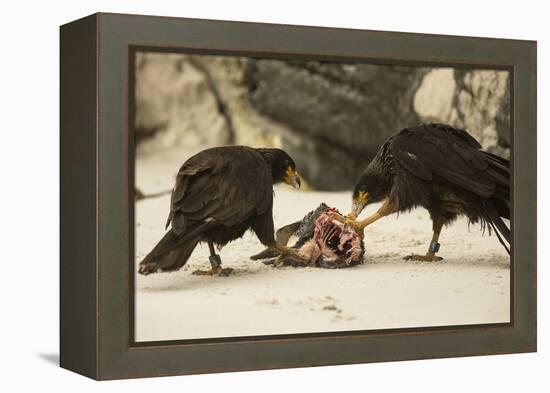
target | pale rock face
[
  {"x": 476, "y": 100},
  {"x": 433, "y": 100},
  {"x": 483, "y": 95},
  {"x": 195, "y": 102},
  {"x": 175, "y": 105}
]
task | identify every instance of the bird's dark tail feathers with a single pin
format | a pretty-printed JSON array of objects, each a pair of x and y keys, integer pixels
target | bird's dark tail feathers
[
  {"x": 498, "y": 207},
  {"x": 172, "y": 251},
  {"x": 493, "y": 217}
]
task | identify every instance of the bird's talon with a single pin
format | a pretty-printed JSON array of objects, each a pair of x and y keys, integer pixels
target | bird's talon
[
  {"x": 225, "y": 272},
  {"x": 423, "y": 258},
  {"x": 200, "y": 272},
  {"x": 279, "y": 262},
  {"x": 270, "y": 262},
  {"x": 360, "y": 230},
  {"x": 215, "y": 271},
  {"x": 265, "y": 254},
  {"x": 289, "y": 252}
]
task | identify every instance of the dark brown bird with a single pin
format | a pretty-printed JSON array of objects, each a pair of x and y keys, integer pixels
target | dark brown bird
[
  {"x": 219, "y": 194},
  {"x": 442, "y": 169}
]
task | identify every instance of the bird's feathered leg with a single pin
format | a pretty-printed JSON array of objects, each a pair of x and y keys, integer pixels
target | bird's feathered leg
[
  {"x": 215, "y": 263},
  {"x": 434, "y": 245}
]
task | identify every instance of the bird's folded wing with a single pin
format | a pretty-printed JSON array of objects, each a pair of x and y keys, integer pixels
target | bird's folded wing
[
  {"x": 220, "y": 188},
  {"x": 429, "y": 152}
]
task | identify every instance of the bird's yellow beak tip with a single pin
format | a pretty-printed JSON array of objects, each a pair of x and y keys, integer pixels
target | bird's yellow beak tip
[{"x": 359, "y": 203}]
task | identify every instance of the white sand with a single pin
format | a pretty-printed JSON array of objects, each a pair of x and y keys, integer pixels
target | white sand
[{"x": 470, "y": 286}]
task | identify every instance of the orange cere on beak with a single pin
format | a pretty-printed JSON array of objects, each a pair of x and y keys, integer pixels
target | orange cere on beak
[{"x": 292, "y": 178}]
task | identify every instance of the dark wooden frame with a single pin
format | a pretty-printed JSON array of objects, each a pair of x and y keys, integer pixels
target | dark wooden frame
[{"x": 97, "y": 196}]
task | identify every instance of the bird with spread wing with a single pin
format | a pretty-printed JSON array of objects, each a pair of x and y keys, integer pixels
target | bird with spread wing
[
  {"x": 442, "y": 169},
  {"x": 219, "y": 194}
]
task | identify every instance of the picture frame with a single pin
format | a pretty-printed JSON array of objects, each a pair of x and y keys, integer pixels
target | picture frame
[{"x": 97, "y": 196}]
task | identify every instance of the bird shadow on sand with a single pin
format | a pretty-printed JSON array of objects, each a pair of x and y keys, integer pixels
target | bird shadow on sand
[
  {"x": 396, "y": 261},
  {"x": 473, "y": 262},
  {"x": 491, "y": 260},
  {"x": 185, "y": 281}
]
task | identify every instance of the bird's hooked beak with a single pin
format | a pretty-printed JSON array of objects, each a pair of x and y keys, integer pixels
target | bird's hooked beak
[
  {"x": 359, "y": 204},
  {"x": 292, "y": 178}
]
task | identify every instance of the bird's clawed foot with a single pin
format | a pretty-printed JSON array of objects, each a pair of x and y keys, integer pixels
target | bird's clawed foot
[
  {"x": 429, "y": 257},
  {"x": 266, "y": 254},
  {"x": 288, "y": 252},
  {"x": 351, "y": 221},
  {"x": 279, "y": 256},
  {"x": 216, "y": 269},
  {"x": 357, "y": 227}
]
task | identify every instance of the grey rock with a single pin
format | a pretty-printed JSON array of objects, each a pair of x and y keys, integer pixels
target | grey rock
[
  {"x": 175, "y": 105},
  {"x": 342, "y": 112},
  {"x": 482, "y": 101},
  {"x": 476, "y": 100}
]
